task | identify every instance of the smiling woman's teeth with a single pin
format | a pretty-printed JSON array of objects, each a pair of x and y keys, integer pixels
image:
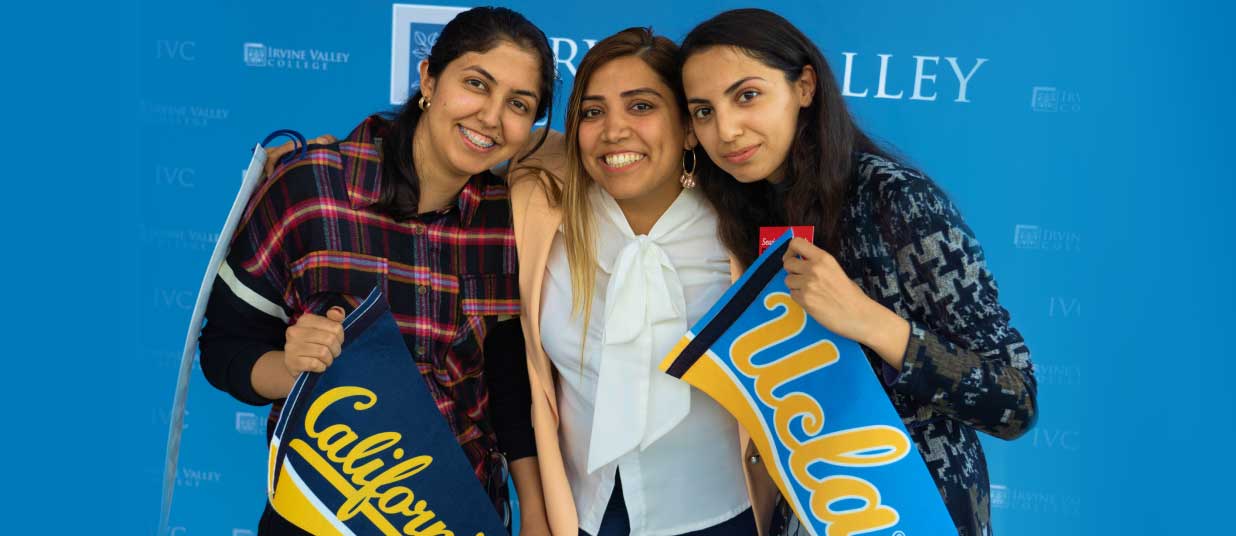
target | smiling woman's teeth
[
  {"x": 477, "y": 138},
  {"x": 622, "y": 159}
]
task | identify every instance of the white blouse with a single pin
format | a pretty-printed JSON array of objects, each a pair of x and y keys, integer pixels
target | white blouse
[{"x": 676, "y": 448}]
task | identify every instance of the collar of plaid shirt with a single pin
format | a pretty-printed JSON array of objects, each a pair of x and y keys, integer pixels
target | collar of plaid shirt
[{"x": 363, "y": 147}]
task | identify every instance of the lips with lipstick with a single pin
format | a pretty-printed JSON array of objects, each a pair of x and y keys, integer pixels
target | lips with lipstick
[
  {"x": 621, "y": 161},
  {"x": 476, "y": 140},
  {"x": 741, "y": 155}
]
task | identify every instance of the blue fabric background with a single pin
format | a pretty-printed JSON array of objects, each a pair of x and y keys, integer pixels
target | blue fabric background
[{"x": 1103, "y": 205}]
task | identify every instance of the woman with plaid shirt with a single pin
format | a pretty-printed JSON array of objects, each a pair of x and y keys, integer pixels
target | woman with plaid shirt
[{"x": 408, "y": 204}]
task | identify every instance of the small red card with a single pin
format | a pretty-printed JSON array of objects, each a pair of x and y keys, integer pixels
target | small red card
[{"x": 768, "y": 235}]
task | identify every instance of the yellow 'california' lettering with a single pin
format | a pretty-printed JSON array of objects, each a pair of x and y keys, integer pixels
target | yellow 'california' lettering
[
  {"x": 369, "y": 491},
  {"x": 396, "y": 500},
  {"x": 359, "y": 459},
  {"x": 367, "y": 447},
  {"x": 332, "y": 396},
  {"x": 420, "y": 515},
  {"x": 854, "y": 447},
  {"x": 361, "y": 474},
  {"x": 333, "y": 439}
]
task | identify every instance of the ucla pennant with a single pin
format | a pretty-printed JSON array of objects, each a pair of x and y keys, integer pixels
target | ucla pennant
[
  {"x": 361, "y": 448},
  {"x": 829, "y": 436}
]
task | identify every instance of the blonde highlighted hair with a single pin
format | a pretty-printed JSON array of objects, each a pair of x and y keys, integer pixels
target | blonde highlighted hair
[{"x": 572, "y": 192}]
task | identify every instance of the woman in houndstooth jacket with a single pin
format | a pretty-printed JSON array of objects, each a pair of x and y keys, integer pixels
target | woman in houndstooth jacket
[{"x": 894, "y": 266}]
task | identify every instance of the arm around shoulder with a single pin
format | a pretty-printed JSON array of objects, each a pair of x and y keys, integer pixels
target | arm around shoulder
[{"x": 549, "y": 158}]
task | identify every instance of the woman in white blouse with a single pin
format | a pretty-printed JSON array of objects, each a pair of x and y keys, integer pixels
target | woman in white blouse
[{"x": 617, "y": 260}]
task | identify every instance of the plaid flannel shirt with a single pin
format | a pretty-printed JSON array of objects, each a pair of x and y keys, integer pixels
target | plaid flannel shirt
[{"x": 310, "y": 239}]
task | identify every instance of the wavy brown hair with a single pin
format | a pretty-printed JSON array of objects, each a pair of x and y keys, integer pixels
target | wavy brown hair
[{"x": 826, "y": 142}]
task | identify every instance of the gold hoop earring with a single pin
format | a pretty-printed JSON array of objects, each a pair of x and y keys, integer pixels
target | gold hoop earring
[
  {"x": 424, "y": 103},
  {"x": 688, "y": 176}
]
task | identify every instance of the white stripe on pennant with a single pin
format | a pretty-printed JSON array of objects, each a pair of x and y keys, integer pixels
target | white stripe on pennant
[{"x": 317, "y": 503}]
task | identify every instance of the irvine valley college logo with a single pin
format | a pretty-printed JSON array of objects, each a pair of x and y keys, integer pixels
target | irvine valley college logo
[
  {"x": 255, "y": 54},
  {"x": 301, "y": 59},
  {"x": 1051, "y": 99},
  {"x": 414, "y": 30},
  {"x": 1037, "y": 238},
  {"x": 1027, "y": 236},
  {"x": 999, "y": 496}
]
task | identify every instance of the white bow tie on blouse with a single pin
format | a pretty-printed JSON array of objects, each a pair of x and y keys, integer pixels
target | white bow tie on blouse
[{"x": 645, "y": 315}]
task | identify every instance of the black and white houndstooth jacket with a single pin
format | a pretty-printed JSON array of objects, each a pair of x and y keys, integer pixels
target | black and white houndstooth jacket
[{"x": 966, "y": 370}]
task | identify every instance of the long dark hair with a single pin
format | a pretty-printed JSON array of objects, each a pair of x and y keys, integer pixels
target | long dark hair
[
  {"x": 475, "y": 30},
  {"x": 822, "y": 156}
]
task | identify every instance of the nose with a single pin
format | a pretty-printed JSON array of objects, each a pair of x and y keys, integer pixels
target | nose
[
  {"x": 490, "y": 114},
  {"x": 616, "y": 128},
  {"x": 727, "y": 126}
]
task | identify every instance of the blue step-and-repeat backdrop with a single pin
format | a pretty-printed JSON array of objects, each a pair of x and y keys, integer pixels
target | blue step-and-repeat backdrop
[{"x": 1083, "y": 141}]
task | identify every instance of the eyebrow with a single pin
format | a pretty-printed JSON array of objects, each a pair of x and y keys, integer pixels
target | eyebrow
[
  {"x": 733, "y": 87},
  {"x": 492, "y": 80},
  {"x": 629, "y": 93},
  {"x": 640, "y": 91}
]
